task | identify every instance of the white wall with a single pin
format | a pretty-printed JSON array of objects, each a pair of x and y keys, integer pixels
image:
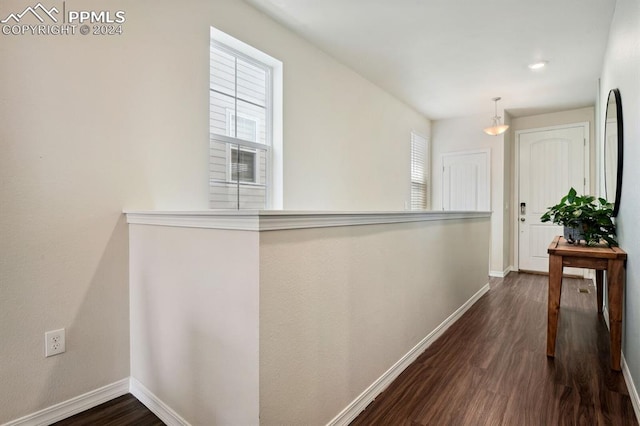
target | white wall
[
  {"x": 465, "y": 134},
  {"x": 91, "y": 125},
  {"x": 194, "y": 321},
  {"x": 507, "y": 190},
  {"x": 346, "y": 142},
  {"x": 340, "y": 306},
  {"x": 294, "y": 320},
  {"x": 621, "y": 68}
]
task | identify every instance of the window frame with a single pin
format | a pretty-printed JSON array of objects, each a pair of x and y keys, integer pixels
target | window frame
[{"x": 273, "y": 119}]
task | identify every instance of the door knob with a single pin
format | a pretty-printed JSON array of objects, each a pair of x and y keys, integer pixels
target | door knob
[{"x": 522, "y": 219}]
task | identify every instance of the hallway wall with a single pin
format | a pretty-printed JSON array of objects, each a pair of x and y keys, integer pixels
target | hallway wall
[{"x": 621, "y": 69}]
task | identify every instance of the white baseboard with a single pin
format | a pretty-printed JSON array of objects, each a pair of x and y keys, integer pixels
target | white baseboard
[
  {"x": 633, "y": 393},
  {"x": 99, "y": 396},
  {"x": 501, "y": 274},
  {"x": 358, "y": 405},
  {"x": 73, "y": 406},
  {"x": 153, "y": 403}
]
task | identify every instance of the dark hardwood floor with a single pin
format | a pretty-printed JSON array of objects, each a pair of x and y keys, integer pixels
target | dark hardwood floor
[
  {"x": 122, "y": 411},
  {"x": 491, "y": 368}
]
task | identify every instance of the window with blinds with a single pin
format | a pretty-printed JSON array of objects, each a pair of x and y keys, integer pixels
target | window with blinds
[
  {"x": 240, "y": 129},
  {"x": 419, "y": 171}
]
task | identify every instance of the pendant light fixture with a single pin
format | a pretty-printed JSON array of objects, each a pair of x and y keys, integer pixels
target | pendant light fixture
[{"x": 497, "y": 128}]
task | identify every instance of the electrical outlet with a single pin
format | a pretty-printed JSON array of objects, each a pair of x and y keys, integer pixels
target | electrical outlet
[{"x": 54, "y": 342}]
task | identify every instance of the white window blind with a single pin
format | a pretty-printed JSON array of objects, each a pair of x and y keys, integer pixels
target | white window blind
[
  {"x": 240, "y": 128},
  {"x": 419, "y": 171}
]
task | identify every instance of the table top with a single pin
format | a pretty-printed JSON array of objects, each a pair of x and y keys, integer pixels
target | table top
[{"x": 560, "y": 247}]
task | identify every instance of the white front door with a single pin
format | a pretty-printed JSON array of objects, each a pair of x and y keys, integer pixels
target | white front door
[
  {"x": 465, "y": 181},
  {"x": 550, "y": 163}
]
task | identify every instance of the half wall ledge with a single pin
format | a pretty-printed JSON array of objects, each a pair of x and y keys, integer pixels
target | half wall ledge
[{"x": 272, "y": 220}]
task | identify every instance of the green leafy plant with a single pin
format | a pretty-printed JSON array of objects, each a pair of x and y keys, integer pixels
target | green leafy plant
[{"x": 593, "y": 216}]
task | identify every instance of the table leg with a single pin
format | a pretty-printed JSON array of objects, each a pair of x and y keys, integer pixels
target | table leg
[
  {"x": 553, "y": 307},
  {"x": 615, "y": 290},
  {"x": 599, "y": 282}
]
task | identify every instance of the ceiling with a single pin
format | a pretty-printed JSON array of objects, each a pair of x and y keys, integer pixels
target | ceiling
[{"x": 449, "y": 58}]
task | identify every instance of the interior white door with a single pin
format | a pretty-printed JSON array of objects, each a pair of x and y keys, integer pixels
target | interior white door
[
  {"x": 465, "y": 181},
  {"x": 551, "y": 162}
]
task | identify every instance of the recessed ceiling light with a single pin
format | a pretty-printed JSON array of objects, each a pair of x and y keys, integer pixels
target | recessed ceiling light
[{"x": 538, "y": 65}]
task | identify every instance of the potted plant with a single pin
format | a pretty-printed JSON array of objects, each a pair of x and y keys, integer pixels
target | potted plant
[{"x": 585, "y": 218}]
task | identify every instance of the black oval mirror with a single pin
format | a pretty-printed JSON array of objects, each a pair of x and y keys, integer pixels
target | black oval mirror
[{"x": 613, "y": 150}]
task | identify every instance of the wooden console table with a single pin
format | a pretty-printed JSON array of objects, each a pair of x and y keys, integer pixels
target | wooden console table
[{"x": 601, "y": 258}]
